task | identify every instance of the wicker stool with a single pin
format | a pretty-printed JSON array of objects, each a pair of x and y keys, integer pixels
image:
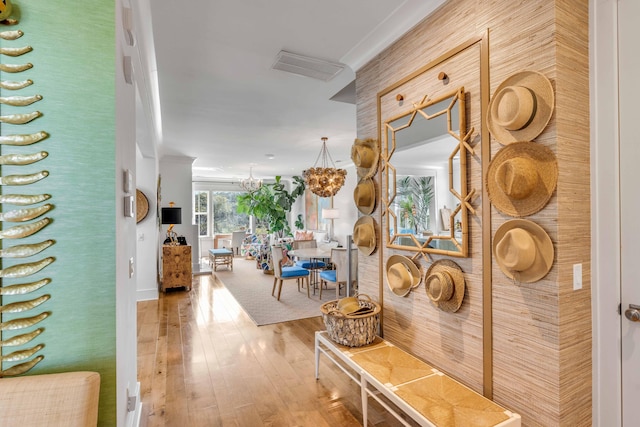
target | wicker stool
[{"x": 221, "y": 257}]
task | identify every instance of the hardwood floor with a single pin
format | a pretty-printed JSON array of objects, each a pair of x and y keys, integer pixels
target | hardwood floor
[{"x": 203, "y": 362}]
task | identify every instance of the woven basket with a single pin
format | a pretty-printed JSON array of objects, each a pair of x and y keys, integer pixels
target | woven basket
[{"x": 351, "y": 330}]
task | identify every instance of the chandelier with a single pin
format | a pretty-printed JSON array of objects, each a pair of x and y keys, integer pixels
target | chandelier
[
  {"x": 251, "y": 184},
  {"x": 323, "y": 180}
]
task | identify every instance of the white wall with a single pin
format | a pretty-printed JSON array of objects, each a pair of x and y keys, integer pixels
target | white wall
[
  {"x": 175, "y": 179},
  {"x": 126, "y": 310},
  {"x": 343, "y": 201},
  {"x": 147, "y": 230}
]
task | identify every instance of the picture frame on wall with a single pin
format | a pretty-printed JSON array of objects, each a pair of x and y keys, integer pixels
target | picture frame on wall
[{"x": 313, "y": 211}]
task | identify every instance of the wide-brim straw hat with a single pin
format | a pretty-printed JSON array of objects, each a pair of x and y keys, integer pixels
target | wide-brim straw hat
[
  {"x": 523, "y": 250},
  {"x": 364, "y": 234},
  {"x": 521, "y": 107},
  {"x": 445, "y": 285},
  {"x": 365, "y": 154},
  {"x": 402, "y": 274},
  {"x": 364, "y": 195},
  {"x": 521, "y": 178}
]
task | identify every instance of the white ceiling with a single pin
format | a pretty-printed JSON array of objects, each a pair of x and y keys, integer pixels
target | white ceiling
[{"x": 223, "y": 104}]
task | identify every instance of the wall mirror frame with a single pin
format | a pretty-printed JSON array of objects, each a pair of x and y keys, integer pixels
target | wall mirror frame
[{"x": 417, "y": 220}]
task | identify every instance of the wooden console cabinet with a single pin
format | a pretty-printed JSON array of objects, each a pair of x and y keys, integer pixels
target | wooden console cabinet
[{"x": 176, "y": 267}]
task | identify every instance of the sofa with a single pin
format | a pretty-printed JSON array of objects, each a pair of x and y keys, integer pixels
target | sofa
[{"x": 68, "y": 399}]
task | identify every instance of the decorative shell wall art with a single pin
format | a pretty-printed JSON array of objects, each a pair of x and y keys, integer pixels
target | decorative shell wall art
[{"x": 21, "y": 311}]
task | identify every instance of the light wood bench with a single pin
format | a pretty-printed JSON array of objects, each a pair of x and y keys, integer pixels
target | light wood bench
[
  {"x": 403, "y": 383},
  {"x": 221, "y": 257}
]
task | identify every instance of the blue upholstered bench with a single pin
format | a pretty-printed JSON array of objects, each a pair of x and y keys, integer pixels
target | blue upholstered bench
[{"x": 221, "y": 257}]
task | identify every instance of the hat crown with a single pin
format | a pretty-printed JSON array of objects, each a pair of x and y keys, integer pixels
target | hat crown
[
  {"x": 364, "y": 156},
  {"x": 517, "y": 249},
  {"x": 399, "y": 277},
  {"x": 517, "y": 177},
  {"x": 362, "y": 235},
  {"x": 440, "y": 286},
  {"x": 362, "y": 194},
  {"x": 514, "y": 107}
]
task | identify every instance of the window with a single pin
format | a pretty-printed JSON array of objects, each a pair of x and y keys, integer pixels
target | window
[
  {"x": 221, "y": 213},
  {"x": 225, "y": 212},
  {"x": 201, "y": 212}
]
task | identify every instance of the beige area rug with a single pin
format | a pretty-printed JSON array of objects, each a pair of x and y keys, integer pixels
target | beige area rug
[{"x": 252, "y": 289}]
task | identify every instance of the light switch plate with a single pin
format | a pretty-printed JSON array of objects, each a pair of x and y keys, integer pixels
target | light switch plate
[
  {"x": 577, "y": 276},
  {"x": 129, "y": 206},
  {"x": 127, "y": 181}
]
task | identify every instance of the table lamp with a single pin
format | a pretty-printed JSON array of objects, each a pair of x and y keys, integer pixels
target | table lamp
[
  {"x": 171, "y": 216},
  {"x": 330, "y": 214}
]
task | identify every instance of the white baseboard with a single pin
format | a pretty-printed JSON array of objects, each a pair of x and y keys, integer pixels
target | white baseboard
[{"x": 147, "y": 294}]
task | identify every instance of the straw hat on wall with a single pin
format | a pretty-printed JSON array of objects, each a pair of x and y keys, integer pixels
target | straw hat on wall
[
  {"x": 521, "y": 178},
  {"x": 521, "y": 107},
  {"x": 364, "y": 196},
  {"x": 364, "y": 235},
  {"x": 523, "y": 250},
  {"x": 402, "y": 275},
  {"x": 365, "y": 154},
  {"x": 445, "y": 285}
]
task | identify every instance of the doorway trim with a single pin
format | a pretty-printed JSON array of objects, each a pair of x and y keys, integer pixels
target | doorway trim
[{"x": 605, "y": 203}]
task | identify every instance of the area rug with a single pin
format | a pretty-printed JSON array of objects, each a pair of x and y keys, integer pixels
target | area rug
[{"x": 252, "y": 289}]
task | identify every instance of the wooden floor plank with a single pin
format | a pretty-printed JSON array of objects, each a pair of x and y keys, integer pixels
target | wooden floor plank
[{"x": 202, "y": 362}]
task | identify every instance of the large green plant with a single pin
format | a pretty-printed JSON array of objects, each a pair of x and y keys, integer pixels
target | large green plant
[
  {"x": 272, "y": 203},
  {"x": 414, "y": 195}
]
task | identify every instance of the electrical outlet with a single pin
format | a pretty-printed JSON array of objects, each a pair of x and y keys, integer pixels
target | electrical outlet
[{"x": 577, "y": 276}]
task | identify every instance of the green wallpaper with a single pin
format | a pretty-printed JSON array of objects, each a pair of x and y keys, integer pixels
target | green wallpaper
[{"x": 73, "y": 69}]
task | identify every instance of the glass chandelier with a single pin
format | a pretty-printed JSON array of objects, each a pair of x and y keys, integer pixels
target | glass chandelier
[
  {"x": 323, "y": 180},
  {"x": 251, "y": 184}
]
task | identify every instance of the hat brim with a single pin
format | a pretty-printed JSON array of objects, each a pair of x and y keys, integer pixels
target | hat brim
[
  {"x": 547, "y": 170},
  {"x": 414, "y": 270},
  {"x": 544, "y": 251},
  {"x": 454, "y": 303},
  {"x": 374, "y": 145},
  {"x": 545, "y": 101},
  {"x": 367, "y": 221},
  {"x": 369, "y": 186}
]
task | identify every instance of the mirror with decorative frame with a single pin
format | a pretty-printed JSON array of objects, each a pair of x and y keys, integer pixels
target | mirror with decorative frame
[{"x": 425, "y": 193}]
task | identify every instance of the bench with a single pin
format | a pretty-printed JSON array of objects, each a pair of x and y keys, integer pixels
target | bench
[
  {"x": 395, "y": 378},
  {"x": 67, "y": 399},
  {"x": 221, "y": 257}
]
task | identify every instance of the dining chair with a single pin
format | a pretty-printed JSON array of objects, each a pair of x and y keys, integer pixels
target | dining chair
[
  {"x": 341, "y": 271},
  {"x": 282, "y": 273},
  {"x": 237, "y": 237},
  {"x": 310, "y": 264}
]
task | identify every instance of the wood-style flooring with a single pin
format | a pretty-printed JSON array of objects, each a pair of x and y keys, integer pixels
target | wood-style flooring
[{"x": 203, "y": 362}]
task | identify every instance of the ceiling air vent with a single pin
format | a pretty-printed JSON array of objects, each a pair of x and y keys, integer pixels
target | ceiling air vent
[{"x": 305, "y": 66}]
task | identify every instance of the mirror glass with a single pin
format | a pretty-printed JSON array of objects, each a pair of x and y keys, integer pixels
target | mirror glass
[{"x": 425, "y": 174}]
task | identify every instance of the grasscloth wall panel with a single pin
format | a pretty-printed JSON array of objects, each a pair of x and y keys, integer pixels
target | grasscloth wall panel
[
  {"x": 458, "y": 336},
  {"x": 540, "y": 361}
]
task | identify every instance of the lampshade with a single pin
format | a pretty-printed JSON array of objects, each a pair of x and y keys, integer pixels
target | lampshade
[
  {"x": 172, "y": 215},
  {"x": 330, "y": 214},
  {"x": 323, "y": 180}
]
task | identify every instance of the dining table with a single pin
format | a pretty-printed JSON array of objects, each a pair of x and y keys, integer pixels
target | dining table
[{"x": 313, "y": 255}]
